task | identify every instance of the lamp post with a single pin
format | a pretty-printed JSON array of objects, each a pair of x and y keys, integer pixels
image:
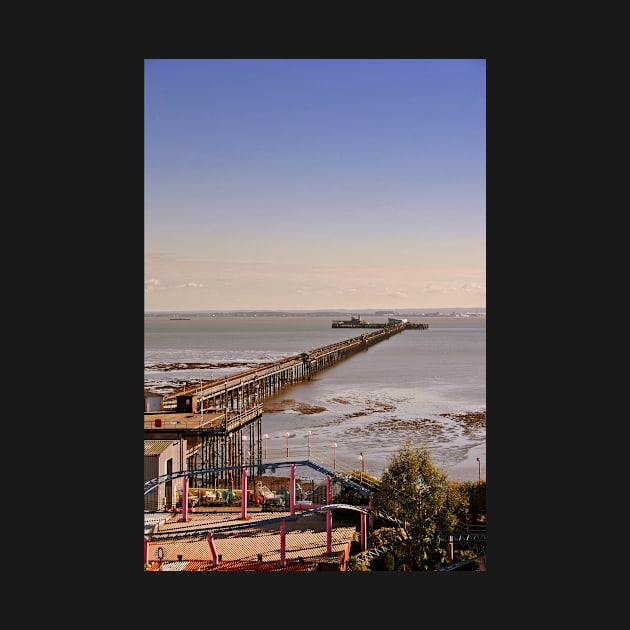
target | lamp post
[
  {"x": 286, "y": 435},
  {"x": 361, "y": 458},
  {"x": 265, "y": 438},
  {"x": 179, "y": 457},
  {"x": 201, "y": 396},
  {"x": 230, "y": 472},
  {"x": 308, "y": 443},
  {"x": 334, "y": 445},
  {"x": 245, "y": 455},
  {"x": 479, "y": 466}
]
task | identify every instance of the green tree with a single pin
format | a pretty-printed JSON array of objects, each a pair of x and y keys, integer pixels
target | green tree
[
  {"x": 475, "y": 493},
  {"x": 416, "y": 499},
  {"x": 352, "y": 497}
]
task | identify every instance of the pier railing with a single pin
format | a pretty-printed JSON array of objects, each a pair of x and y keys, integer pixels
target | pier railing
[{"x": 245, "y": 389}]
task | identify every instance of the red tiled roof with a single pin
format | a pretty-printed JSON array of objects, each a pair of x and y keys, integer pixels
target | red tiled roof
[{"x": 240, "y": 565}]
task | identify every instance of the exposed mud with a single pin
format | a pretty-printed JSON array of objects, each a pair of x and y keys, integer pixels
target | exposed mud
[
  {"x": 278, "y": 406},
  {"x": 170, "y": 367},
  {"x": 471, "y": 420}
]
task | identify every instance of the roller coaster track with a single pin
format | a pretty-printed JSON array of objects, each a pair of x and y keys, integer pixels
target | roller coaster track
[
  {"x": 191, "y": 533},
  {"x": 152, "y": 484},
  {"x": 457, "y": 565},
  {"x": 370, "y": 554},
  {"x": 475, "y": 542}
]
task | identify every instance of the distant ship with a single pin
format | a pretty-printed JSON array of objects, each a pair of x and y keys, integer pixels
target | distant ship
[{"x": 179, "y": 318}]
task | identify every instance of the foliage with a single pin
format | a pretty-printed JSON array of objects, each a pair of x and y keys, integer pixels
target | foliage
[
  {"x": 475, "y": 494},
  {"x": 354, "y": 564},
  {"x": 355, "y": 545},
  {"x": 467, "y": 554},
  {"x": 352, "y": 497},
  {"x": 364, "y": 479},
  {"x": 385, "y": 562},
  {"x": 417, "y": 507},
  {"x": 394, "y": 540}
]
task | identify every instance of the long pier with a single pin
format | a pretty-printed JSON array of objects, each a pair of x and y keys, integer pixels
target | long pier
[
  {"x": 241, "y": 391},
  {"x": 218, "y": 417}
]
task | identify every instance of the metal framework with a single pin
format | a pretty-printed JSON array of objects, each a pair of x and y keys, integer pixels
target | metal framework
[
  {"x": 152, "y": 484},
  {"x": 475, "y": 542}
]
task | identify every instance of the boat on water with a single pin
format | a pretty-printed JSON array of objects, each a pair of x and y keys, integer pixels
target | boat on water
[{"x": 175, "y": 318}]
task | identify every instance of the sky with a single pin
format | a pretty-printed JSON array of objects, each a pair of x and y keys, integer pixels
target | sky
[{"x": 308, "y": 184}]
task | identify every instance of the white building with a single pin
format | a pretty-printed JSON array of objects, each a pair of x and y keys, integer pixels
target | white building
[{"x": 163, "y": 457}]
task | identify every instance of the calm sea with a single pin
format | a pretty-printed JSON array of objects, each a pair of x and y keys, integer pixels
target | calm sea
[{"x": 419, "y": 384}]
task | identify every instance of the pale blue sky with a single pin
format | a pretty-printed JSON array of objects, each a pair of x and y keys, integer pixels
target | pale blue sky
[{"x": 314, "y": 184}]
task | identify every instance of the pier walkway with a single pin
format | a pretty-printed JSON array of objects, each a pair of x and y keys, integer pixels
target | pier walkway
[
  {"x": 245, "y": 389},
  {"x": 212, "y": 421}
]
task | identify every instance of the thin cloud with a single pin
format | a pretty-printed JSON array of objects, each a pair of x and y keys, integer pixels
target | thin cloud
[
  {"x": 151, "y": 284},
  {"x": 472, "y": 288},
  {"x": 192, "y": 285},
  {"x": 396, "y": 293},
  {"x": 431, "y": 288}
]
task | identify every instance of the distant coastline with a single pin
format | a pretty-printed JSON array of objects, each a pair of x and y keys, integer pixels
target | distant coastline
[{"x": 451, "y": 312}]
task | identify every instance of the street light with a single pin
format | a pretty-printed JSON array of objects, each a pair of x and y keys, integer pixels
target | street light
[
  {"x": 479, "y": 466},
  {"x": 334, "y": 445},
  {"x": 308, "y": 442},
  {"x": 265, "y": 438},
  {"x": 286, "y": 435},
  {"x": 201, "y": 397},
  {"x": 361, "y": 458}
]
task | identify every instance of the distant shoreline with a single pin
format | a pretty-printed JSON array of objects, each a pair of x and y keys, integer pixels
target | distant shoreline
[{"x": 442, "y": 313}]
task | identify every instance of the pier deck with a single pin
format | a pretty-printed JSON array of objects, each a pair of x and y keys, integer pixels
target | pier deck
[{"x": 215, "y": 418}]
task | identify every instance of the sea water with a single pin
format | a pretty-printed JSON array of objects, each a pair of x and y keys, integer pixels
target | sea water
[{"x": 425, "y": 385}]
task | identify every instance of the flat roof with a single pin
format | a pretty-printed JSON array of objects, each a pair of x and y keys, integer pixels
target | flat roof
[{"x": 182, "y": 421}]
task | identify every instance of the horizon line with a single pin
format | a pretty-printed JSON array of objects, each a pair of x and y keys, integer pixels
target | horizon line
[{"x": 316, "y": 310}]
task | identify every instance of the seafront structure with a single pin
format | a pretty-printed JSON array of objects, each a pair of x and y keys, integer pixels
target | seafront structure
[
  {"x": 208, "y": 436},
  {"x": 220, "y": 421},
  {"x": 358, "y": 322},
  {"x": 303, "y": 536}
]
